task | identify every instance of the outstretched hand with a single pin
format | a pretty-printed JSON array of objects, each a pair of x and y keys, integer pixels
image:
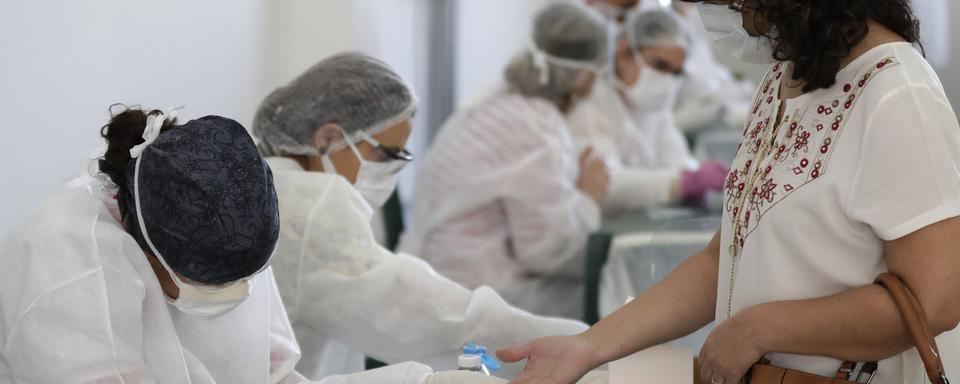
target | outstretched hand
[{"x": 551, "y": 360}]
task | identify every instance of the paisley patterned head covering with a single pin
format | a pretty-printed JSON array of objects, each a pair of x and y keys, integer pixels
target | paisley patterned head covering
[{"x": 206, "y": 201}]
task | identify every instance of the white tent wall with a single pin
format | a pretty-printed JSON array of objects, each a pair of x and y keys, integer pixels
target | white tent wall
[
  {"x": 489, "y": 34},
  {"x": 300, "y": 33},
  {"x": 62, "y": 63}
]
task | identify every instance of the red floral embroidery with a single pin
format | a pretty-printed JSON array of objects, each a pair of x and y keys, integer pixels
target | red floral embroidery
[
  {"x": 789, "y": 152},
  {"x": 801, "y": 142},
  {"x": 766, "y": 190}
]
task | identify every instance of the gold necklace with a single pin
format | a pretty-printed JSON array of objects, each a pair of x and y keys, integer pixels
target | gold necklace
[{"x": 754, "y": 170}]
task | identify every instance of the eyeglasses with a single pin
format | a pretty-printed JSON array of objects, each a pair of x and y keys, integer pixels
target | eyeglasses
[
  {"x": 665, "y": 67},
  {"x": 388, "y": 154},
  {"x": 736, "y": 5},
  {"x": 400, "y": 154}
]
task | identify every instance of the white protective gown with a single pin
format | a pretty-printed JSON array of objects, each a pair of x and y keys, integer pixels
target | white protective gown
[
  {"x": 645, "y": 150},
  {"x": 79, "y": 303},
  {"x": 348, "y": 296},
  {"x": 497, "y": 204}
]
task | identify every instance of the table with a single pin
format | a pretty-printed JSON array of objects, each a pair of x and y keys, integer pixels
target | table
[{"x": 646, "y": 247}]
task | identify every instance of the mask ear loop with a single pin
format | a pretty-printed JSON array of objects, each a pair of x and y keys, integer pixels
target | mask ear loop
[
  {"x": 328, "y": 166},
  {"x": 542, "y": 61}
]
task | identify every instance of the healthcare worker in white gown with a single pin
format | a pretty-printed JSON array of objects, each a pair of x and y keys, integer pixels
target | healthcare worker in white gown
[
  {"x": 710, "y": 95},
  {"x": 500, "y": 199},
  {"x": 335, "y": 139},
  {"x": 157, "y": 269},
  {"x": 629, "y": 118}
]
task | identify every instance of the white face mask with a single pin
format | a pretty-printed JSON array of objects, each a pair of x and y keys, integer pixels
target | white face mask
[
  {"x": 209, "y": 301},
  {"x": 726, "y": 32},
  {"x": 654, "y": 89},
  {"x": 376, "y": 181}
]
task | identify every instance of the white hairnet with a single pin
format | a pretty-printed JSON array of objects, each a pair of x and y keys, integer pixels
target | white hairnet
[
  {"x": 656, "y": 28},
  {"x": 566, "y": 39},
  {"x": 355, "y": 91}
]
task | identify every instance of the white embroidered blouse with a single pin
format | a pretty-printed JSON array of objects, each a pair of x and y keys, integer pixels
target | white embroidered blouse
[{"x": 810, "y": 201}]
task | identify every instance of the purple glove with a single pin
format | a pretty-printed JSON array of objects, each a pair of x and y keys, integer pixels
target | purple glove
[{"x": 710, "y": 177}]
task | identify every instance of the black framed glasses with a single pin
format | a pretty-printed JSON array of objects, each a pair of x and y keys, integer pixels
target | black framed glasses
[
  {"x": 388, "y": 154},
  {"x": 736, "y": 5},
  {"x": 401, "y": 154}
]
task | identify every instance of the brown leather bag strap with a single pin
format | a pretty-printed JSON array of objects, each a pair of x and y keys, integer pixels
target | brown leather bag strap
[
  {"x": 916, "y": 321},
  {"x": 846, "y": 370}
]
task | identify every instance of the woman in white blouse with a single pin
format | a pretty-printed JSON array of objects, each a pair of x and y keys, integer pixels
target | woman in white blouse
[{"x": 849, "y": 166}]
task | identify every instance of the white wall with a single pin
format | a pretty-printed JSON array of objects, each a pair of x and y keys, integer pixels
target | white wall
[
  {"x": 300, "y": 33},
  {"x": 490, "y": 33},
  {"x": 62, "y": 63},
  {"x": 948, "y": 62}
]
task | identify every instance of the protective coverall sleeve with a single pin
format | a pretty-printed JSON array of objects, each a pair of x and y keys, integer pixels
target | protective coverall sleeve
[
  {"x": 284, "y": 351},
  {"x": 395, "y": 307},
  {"x": 633, "y": 187},
  {"x": 80, "y": 322}
]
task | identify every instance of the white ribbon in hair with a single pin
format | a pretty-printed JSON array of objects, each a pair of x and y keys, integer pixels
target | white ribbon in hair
[
  {"x": 542, "y": 59},
  {"x": 152, "y": 130}
]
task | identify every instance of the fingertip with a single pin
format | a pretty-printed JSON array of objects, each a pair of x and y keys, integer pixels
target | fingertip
[{"x": 513, "y": 354}]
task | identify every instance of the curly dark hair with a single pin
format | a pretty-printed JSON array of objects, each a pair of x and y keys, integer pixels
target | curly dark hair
[
  {"x": 816, "y": 35},
  {"x": 124, "y": 131}
]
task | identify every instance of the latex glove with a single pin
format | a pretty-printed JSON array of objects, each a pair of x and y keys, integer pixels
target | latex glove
[
  {"x": 462, "y": 377},
  {"x": 594, "y": 178},
  {"x": 710, "y": 177}
]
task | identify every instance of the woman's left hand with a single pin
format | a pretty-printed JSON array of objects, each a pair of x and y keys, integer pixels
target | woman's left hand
[{"x": 730, "y": 350}]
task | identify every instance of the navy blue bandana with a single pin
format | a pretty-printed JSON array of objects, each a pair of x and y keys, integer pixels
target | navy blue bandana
[{"x": 207, "y": 201}]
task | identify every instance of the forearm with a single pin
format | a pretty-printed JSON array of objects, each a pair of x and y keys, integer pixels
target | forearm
[
  {"x": 862, "y": 324},
  {"x": 682, "y": 303}
]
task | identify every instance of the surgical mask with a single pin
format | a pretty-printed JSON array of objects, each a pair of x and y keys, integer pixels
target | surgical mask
[
  {"x": 725, "y": 27},
  {"x": 209, "y": 301},
  {"x": 654, "y": 89},
  {"x": 197, "y": 300},
  {"x": 376, "y": 181}
]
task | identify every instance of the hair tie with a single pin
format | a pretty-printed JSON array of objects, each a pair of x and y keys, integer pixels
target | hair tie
[{"x": 152, "y": 130}]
